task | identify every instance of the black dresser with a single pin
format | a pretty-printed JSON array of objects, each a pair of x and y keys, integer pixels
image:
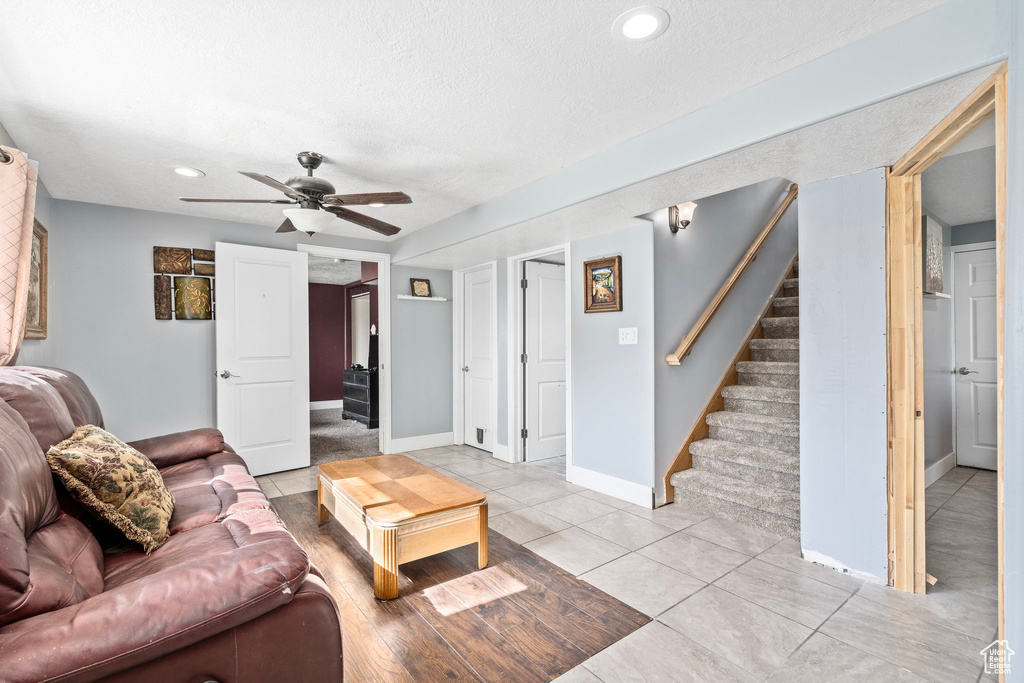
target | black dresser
[{"x": 359, "y": 391}]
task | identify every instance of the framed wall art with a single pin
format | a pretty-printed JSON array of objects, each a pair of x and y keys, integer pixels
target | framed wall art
[
  {"x": 602, "y": 285},
  {"x": 419, "y": 287},
  {"x": 35, "y": 318}
]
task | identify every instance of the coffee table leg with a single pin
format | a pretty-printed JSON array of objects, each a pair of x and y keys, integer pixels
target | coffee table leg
[
  {"x": 481, "y": 551},
  {"x": 385, "y": 563},
  {"x": 322, "y": 514}
]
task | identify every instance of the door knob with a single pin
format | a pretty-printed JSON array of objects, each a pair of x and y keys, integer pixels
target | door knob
[
  {"x": 964, "y": 371},
  {"x": 225, "y": 374},
  {"x": 465, "y": 369}
]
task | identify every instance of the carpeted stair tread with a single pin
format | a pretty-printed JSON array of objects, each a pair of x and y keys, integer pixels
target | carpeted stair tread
[
  {"x": 786, "y": 350},
  {"x": 781, "y": 328},
  {"x": 748, "y": 494},
  {"x": 792, "y": 283},
  {"x": 755, "y": 423},
  {"x": 775, "y": 344},
  {"x": 755, "y": 393},
  {"x": 768, "y": 367},
  {"x": 786, "y": 306},
  {"x": 745, "y": 454}
]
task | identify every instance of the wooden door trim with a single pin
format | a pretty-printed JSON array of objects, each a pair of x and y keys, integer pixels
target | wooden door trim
[{"x": 905, "y": 340}]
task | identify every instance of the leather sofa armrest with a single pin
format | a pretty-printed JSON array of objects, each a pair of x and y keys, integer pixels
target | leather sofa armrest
[
  {"x": 151, "y": 617},
  {"x": 171, "y": 449}
]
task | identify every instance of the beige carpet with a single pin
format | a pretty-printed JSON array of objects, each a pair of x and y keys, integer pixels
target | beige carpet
[{"x": 333, "y": 438}]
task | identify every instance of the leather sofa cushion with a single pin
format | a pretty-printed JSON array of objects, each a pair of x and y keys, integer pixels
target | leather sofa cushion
[
  {"x": 39, "y": 404},
  {"x": 211, "y": 488},
  {"x": 50, "y": 560},
  {"x": 80, "y": 402}
]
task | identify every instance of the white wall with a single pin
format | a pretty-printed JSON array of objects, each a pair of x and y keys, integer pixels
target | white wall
[
  {"x": 938, "y": 362},
  {"x": 613, "y": 384},
  {"x": 150, "y": 376},
  {"x": 1013, "y": 406},
  {"x": 843, "y": 438},
  {"x": 689, "y": 268}
]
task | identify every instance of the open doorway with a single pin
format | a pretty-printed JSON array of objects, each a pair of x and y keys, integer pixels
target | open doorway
[
  {"x": 964, "y": 542},
  {"x": 349, "y": 359},
  {"x": 539, "y": 353},
  {"x": 958, "y": 204}
]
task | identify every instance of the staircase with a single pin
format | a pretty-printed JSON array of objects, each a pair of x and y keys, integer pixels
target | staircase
[{"x": 749, "y": 468}]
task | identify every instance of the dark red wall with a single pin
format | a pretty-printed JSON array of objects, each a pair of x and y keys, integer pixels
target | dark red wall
[{"x": 327, "y": 341}]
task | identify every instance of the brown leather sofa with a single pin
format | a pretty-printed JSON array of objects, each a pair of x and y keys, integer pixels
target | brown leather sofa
[{"x": 231, "y": 596}]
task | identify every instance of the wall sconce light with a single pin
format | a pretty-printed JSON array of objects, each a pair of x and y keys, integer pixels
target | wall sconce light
[{"x": 679, "y": 216}]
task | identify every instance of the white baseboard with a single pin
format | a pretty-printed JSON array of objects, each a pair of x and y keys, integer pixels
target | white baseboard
[
  {"x": 415, "y": 443},
  {"x": 629, "y": 491},
  {"x": 934, "y": 473},
  {"x": 837, "y": 566},
  {"x": 326, "y": 405}
]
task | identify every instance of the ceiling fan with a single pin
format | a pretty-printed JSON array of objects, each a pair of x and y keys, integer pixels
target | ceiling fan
[{"x": 318, "y": 203}]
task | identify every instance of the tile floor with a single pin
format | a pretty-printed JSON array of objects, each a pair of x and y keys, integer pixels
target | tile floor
[{"x": 731, "y": 602}]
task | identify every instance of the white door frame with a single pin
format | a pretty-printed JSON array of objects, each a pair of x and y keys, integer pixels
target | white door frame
[
  {"x": 953, "y": 251},
  {"x": 516, "y": 418},
  {"x": 458, "y": 339},
  {"x": 383, "y": 261}
]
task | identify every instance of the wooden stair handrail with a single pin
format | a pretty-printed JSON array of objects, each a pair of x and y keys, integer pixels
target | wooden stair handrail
[{"x": 686, "y": 345}]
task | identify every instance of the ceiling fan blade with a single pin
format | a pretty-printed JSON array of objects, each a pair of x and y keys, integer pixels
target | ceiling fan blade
[
  {"x": 267, "y": 180},
  {"x": 365, "y": 221},
  {"x": 237, "y": 201},
  {"x": 286, "y": 226},
  {"x": 369, "y": 198}
]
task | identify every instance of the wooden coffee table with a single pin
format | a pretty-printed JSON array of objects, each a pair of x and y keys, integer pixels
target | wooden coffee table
[{"x": 400, "y": 511}]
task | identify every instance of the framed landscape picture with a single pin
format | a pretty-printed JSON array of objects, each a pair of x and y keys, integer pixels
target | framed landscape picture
[
  {"x": 602, "y": 285},
  {"x": 35, "y": 319}
]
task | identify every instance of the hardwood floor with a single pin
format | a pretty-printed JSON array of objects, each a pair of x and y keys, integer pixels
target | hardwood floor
[{"x": 521, "y": 619}]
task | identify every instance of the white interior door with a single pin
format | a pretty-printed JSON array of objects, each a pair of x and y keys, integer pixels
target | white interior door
[
  {"x": 263, "y": 355},
  {"x": 544, "y": 369},
  {"x": 974, "y": 312},
  {"x": 478, "y": 359}
]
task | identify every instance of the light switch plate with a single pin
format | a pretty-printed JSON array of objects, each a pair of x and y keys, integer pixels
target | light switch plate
[{"x": 627, "y": 335}]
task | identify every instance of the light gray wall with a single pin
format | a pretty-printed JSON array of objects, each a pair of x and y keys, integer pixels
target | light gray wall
[
  {"x": 38, "y": 351},
  {"x": 1013, "y": 397},
  {"x": 613, "y": 384},
  {"x": 150, "y": 376},
  {"x": 421, "y": 355},
  {"x": 972, "y": 233},
  {"x": 843, "y": 439},
  {"x": 938, "y": 363},
  {"x": 689, "y": 269}
]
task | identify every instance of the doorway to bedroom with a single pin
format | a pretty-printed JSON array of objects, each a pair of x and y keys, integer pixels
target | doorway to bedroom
[{"x": 344, "y": 359}]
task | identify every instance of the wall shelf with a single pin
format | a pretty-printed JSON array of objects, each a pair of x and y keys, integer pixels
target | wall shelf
[{"x": 410, "y": 297}]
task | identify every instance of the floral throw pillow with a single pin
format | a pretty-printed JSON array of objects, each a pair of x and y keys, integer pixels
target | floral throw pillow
[{"x": 116, "y": 483}]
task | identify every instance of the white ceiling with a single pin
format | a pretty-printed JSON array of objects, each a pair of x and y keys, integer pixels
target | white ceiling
[
  {"x": 962, "y": 188},
  {"x": 328, "y": 271},
  {"x": 868, "y": 138},
  {"x": 453, "y": 102}
]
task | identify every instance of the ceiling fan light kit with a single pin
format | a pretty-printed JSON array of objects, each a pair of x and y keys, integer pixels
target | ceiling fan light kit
[
  {"x": 317, "y": 201},
  {"x": 309, "y": 221}
]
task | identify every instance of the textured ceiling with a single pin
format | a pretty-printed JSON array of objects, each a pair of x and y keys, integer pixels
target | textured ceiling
[
  {"x": 871, "y": 137},
  {"x": 328, "y": 271},
  {"x": 453, "y": 102},
  {"x": 961, "y": 189}
]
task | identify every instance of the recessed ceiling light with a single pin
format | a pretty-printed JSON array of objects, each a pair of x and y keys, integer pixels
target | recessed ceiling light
[
  {"x": 375, "y": 205},
  {"x": 189, "y": 172},
  {"x": 640, "y": 24}
]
